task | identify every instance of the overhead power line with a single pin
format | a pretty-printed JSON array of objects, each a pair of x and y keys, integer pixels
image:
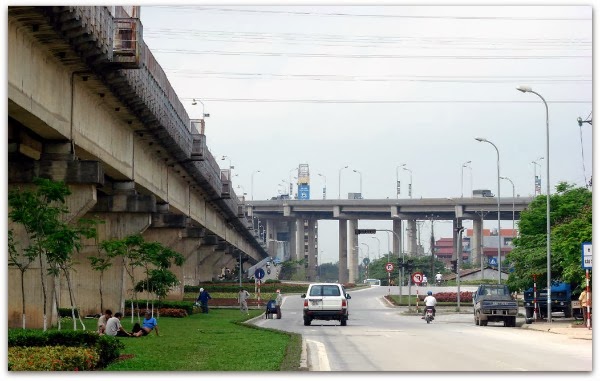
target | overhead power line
[
  {"x": 343, "y": 14},
  {"x": 389, "y": 56},
  {"x": 381, "y": 101}
]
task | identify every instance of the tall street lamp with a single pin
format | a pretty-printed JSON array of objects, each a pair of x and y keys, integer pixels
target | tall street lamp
[
  {"x": 340, "y": 181},
  {"x": 229, "y": 159},
  {"x": 378, "y": 247},
  {"x": 513, "y": 202},
  {"x": 252, "y": 184},
  {"x": 535, "y": 179},
  {"x": 498, "y": 197},
  {"x": 410, "y": 184},
  {"x": 291, "y": 186},
  {"x": 324, "y": 185},
  {"x": 527, "y": 89},
  {"x": 462, "y": 167},
  {"x": 360, "y": 174},
  {"x": 398, "y": 181}
]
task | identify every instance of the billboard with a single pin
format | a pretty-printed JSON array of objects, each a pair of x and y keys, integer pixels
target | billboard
[{"x": 303, "y": 192}]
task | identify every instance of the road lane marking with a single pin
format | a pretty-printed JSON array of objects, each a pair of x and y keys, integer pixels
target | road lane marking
[{"x": 321, "y": 354}]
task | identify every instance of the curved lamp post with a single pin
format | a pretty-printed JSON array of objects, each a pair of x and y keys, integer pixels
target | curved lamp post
[
  {"x": 527, "y": 89},
  {"x": 340, "y": 181},
  {"x": 462, "y": 167},
  {"x": 410, "y": 185},
  {"x": 324, "y": 185},
  {"x": 360, "y": 174},
  {"x": 513, "y": 202},
  {"x": 252, "y": 184},
  {"x": 498, "y": 197}
]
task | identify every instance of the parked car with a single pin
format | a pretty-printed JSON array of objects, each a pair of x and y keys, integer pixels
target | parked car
[{"x": 325, "y": 301}]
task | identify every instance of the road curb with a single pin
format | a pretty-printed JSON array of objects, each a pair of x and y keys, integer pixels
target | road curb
[{"x": 304, "y": 355}]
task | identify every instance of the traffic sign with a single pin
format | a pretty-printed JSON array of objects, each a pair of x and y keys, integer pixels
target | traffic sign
[
  {"x": 493, "y": 261},
  {"x": 259, "y": 273},
  {"x": 586, "y": 255},
  {"x": 365, "y": 231},
  {"x": 417, "y": 277},
  {"x": 389, "y": 267}
]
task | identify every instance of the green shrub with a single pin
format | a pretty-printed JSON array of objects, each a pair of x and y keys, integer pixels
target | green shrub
[
  {"x": 188, "y": 307},
  {"x": 163, "y": 312},
  {"x": 52, "y": 358},
  {"x": 107, "y": 347}
]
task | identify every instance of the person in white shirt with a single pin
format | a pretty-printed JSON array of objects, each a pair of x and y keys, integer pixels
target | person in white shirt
[
  {"x": 438, "y": 278},
  {"x": 430, "y": 301},
  {"x": 424, "y": 281}
]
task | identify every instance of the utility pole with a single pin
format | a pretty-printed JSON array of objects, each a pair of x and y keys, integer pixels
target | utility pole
[{"x": 432, "y": 245}]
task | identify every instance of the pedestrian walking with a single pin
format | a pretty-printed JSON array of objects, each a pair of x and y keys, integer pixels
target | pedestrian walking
[
  {"x": 243, "y": 297},
  {"x": 203, "y": 298}
]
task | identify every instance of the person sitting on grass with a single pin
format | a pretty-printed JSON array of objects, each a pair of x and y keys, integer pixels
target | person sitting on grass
[
  {"x": 148, "y": 325},
  {"x": 114, "y": 327},
  {"x": 103, "y": 320}
]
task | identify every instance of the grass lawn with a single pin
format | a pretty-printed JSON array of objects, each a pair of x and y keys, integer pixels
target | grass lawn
[{"x": 216, "y": 341}]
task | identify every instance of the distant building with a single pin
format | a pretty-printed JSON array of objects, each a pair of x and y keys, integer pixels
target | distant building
[{"x": 444, "y": 249}]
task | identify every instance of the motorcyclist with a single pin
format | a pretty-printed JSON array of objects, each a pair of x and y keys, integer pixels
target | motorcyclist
[
  {"x": 430, "y": 301},
  {"x": 424, "y": 281},
  {"x": 438, "y": 278}
]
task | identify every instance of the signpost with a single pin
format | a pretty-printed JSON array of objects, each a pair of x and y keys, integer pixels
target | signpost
[
  {"x": 258, "y": 274},
  {"x": 389, "y": 267},
  {"x": 417, "y": 277},
  {"x": 586, "y": 263}
]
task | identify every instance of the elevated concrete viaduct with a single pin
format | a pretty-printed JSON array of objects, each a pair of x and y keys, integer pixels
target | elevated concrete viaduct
[
  {"x": 292, "y": 216},
  {"x": 89, "y": 105}
]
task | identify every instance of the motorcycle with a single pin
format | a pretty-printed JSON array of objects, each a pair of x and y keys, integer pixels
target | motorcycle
[{"x": 429, "y": 315}]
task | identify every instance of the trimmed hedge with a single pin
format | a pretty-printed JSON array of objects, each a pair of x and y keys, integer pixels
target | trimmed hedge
[
  {"x": 52, "y": 358},
  {"x": 188, "y": 307},
  {"x": 107, "y": 347}
]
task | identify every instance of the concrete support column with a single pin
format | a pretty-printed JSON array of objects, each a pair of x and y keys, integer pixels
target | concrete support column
[
  {"x": 206, "y": 258},
  {"x": 397, "y": 242},
  {"x": 271, "y": 237},
  {"x": 299, "y": 239},
  {"x": 292, "y": 242},
  {"x": 353, "y": 250},
  {"x": 411, "y": 237},
  {"x": 476, "y": 242},
  {"x": 343, "y": 248},
  {"x": 312, "y": 252}
]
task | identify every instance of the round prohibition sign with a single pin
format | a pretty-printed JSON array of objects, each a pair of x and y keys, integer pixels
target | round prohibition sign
[
  {"x": 389, "y": 267},
  {"x": 417, "y": 277}
]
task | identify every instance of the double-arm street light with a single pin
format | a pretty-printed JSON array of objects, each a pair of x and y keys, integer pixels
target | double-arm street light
[
  {"x": 291, "y": 186},
  {"x": 324, "y": 185},
  {"x": 398, "y": 190},
  {"x": 535, "y": 165},
  {"x": 527, "y": 89},
  {"x": 378, "y": 247},
  {"x": 410, "y": 185},
  {"x": 498, "y": 197},
  {"x": 340, "y": 181},
  {"x": 360, "y": 174},
  {"x": 462, "y": 167},
  {"x": 513, "y": 202},
  {"x": 252, "y": 184}
]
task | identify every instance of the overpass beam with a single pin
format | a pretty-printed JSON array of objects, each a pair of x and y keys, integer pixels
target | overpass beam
[
  {"x": 292, "y": 240},
  {"x": 476, "y": 244},
  {"x": 411, "y": 237}
]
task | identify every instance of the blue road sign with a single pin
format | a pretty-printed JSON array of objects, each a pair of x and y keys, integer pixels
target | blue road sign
[
  {"x": 586, "y": 255},
  {"x": 303, "y": 192},
  {"x": 259, "y": 273},
  {"x": 493, "y": 261}
]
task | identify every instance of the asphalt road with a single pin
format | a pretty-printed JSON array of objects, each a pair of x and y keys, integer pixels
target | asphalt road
[{"x": 379, "y": 337}]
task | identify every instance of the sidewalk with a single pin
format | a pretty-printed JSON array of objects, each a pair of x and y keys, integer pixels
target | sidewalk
[{"x": 562, "y": 328}]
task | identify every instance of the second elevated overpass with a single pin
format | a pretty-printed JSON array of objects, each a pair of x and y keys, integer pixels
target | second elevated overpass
[{"x": 297, "y": 220}]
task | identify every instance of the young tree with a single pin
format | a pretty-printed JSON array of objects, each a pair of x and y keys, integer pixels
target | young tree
[
  {"x": 39, "y": 212},
  {"x": 21, "y": 262},
  {"x": 103, "y": 262},
  {"x": 63, "y": 243},
  {"x": 156, "y": 260}
]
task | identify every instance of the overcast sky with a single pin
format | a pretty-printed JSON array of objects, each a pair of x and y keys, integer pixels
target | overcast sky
[{"x": 375, "y": 87}]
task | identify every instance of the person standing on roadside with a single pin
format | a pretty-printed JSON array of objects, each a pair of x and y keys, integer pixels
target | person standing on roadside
[
  {"x": 278, "y": 302},
  {"x": 583, "y": 299},
  {"x": 243, "y": 297}
]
